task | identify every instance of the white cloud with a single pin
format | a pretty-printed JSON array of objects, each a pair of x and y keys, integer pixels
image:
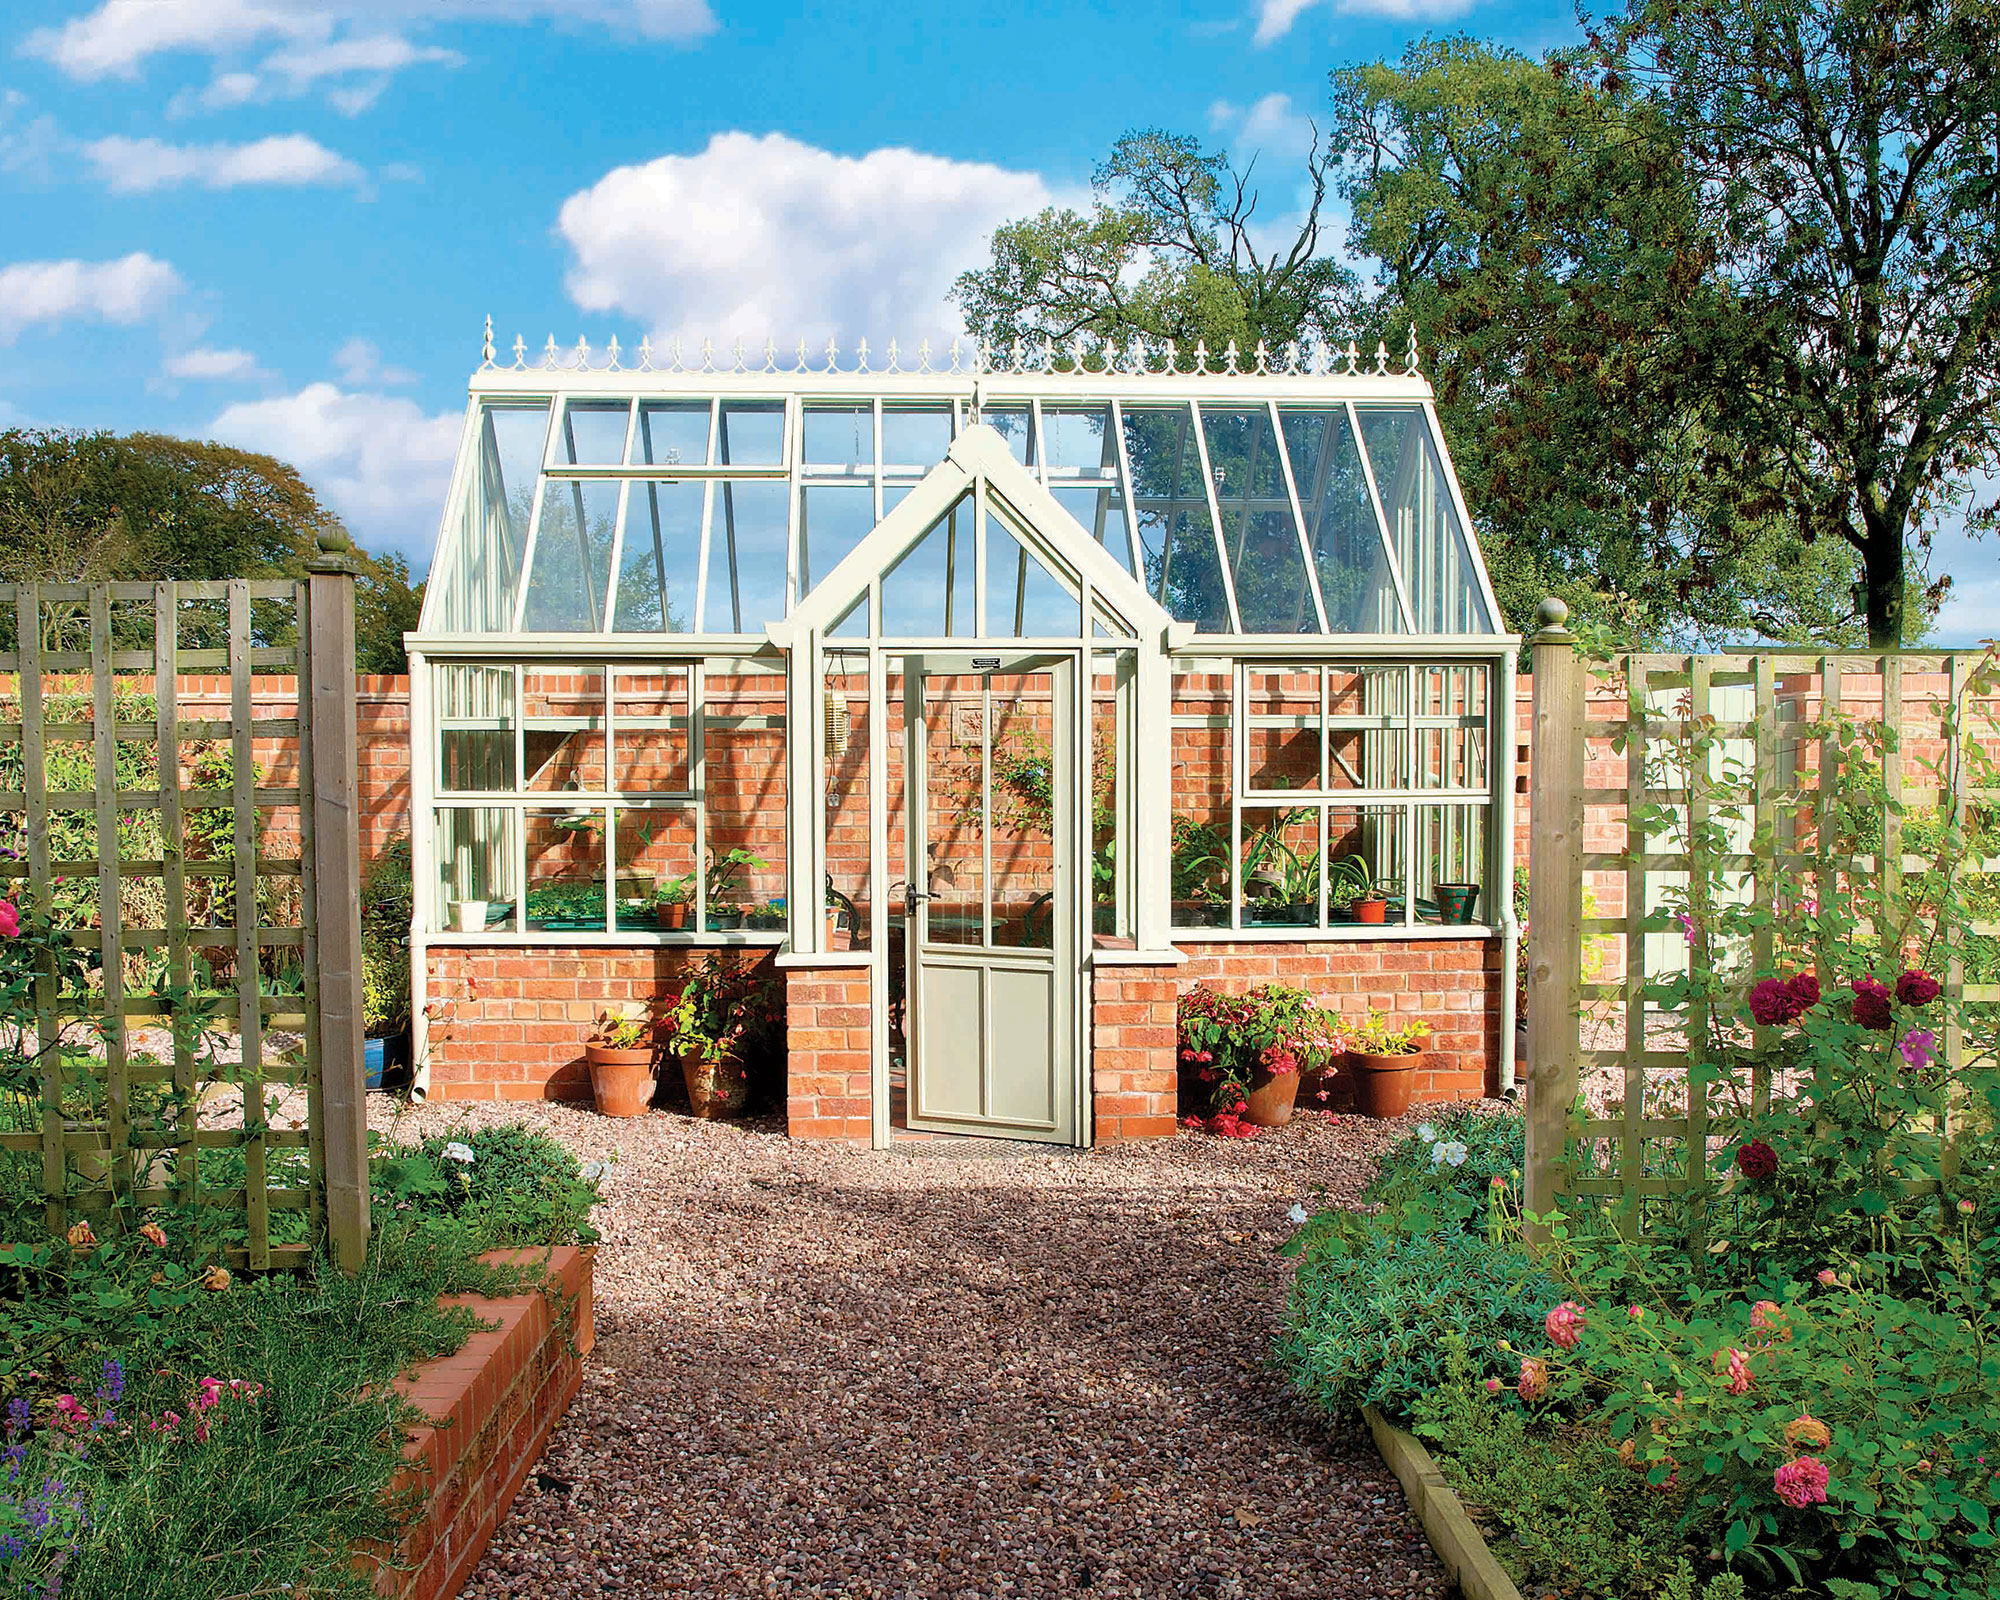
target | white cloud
[
  {"x": 1275, "y": 17},
  {"x": 761, "y": 237},
  {"x": 321, "y": 42},
  {"x": 378, "y": 460},
  {"x": 360, "y": 362},
  {"x": 26, "y": 141},
  {"x": 42, "y": 293},
  {"x": 139, "y": 166},
  {"x": 1269, "y": 125},
  {"x": 213, "y": 366}
]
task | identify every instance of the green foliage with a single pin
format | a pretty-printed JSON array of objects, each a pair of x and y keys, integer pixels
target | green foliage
[
  {"x": 1376, "y": 1296},
  {"x": 1423, "y": 1164},
  {"x": 519, "y": 1187},
  {"x": 387, "y": 896},
  {"x": 729, "y": 1008}
]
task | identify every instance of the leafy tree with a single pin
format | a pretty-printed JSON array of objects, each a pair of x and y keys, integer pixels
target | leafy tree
[
  {"x": 90, "y": 507},
  {"x": 1845, "y": 156}
]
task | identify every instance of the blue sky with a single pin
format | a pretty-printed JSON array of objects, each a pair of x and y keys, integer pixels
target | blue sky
[{"x": 280, "y": 222}]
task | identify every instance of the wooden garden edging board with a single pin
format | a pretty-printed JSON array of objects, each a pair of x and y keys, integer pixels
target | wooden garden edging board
[{"x": 1453, "y": 1534}]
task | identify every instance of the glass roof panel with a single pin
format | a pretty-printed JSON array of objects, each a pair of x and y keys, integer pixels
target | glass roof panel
[
  {"x": 1101, "y": 511},
  {"x": 915, "y": 438},
  {"x": 660, "y": 564},
  {"x": 1176, "y": 533},
  {"x": 1269, "y": 569},
  {"x": 1437, "y": 566},
  {"x": 928, "y": 594},
  {"x": 1191, "y": 577},
  {"x": 1078, "y": 438},
  {"x": 593, "y": 433},
  {"x": 840, "y": 437},
  {"x": 833, "y": 519},
  {"x": 486, "y": 539},
  {"x": 751, "y": 433},
  {"x": 672, "y": 433},
  {"x": 1349, "y": 557},
  {"x": 1024, "y": 599},
  {"x": 1012, "y": 423},
  {"x": 571, "y": 567},
  {"x": 744, "y": 586}
]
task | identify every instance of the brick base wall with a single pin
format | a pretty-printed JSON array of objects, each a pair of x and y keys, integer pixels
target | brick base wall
[
  {"x": 493, "y": 1405},
  {"x": 1453, "y": 984},
  {"x": 828, "y": 1025},
  {"x": 1132, "y": 1066}
]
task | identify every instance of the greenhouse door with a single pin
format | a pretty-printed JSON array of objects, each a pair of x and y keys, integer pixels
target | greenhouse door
[{"x": 990, "y": 898}]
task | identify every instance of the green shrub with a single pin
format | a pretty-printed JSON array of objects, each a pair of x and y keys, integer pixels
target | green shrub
[
  {"x": 506, "y": 1186},
  {"x": 1372, "y": 1305},
  {"x": 1425, "y": 1162}
]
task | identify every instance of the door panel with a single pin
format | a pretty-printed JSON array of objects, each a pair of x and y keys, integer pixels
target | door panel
[{"x": 991, "y": 929}]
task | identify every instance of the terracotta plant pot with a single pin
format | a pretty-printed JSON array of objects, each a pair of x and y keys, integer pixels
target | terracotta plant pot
[
  {"x": 1371, "y": 910},
  {"x": 1270, "y": 1098},
  {"x": 621, "y": 1080},
  {"x": 715, "y": 1088},
  {"x": 674, "y": 917},
  {"x": 1383, "y": 1083}
]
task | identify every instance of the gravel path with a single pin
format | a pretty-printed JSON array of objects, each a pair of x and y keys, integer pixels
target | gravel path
[{"x": 964, "y": 1370}]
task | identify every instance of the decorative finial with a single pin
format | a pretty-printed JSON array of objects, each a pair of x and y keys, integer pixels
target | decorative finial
[
  {"x": 486, "y": 347},
  {"x": 1410, "y": 356},
  {"x": 1550, "y": 615}
]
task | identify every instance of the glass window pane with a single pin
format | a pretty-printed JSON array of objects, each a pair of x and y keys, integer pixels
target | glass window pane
[
  {"x": 928, "y": 593},
  {"x": 1272, "y": 595},
  {"x": 832, "y": 521},
  {"x": 1451, "y": 849},
  {"x": 1364, "y": 848},
  {"x": 1021, "y": 768},
  {"x": 1346, "y": 543},
  {"x": 566, "y": 870},
  {"x": 1430, "y": 546},
  {"x": 1367, "y": 743},
  {"x": 1282, "y": 741},
  {"x": 1012, "y": 423},
  {"x": 1451, "y": 727},
  {"x": 1024, "y": 599},
  {"x": 1176, "y": 536},
  {"x": 744, "y": 779},
  {"x": 845, "y": 756},
  {"x": 1078, "y": 438},
  {"x": 475, "y": 868},
  {"x": 915, "y": 437},
  {"x": 746, "y": 557},
  {"x": 661, "y": 560},
  {"x": 1101, "y": 511},
  {"x": 572, "y": 563},
  {"x": 672, "y": 433},
  {"x": 1280, "y": 883},
  {"x": 1193, "y": 589},
  {"x": 751, "y": 433},
  {"x": 562, "y": 722},
  {"x": 655, "y": 867},
  {"x": 490, "y": 532},
  {"x": 840, "y": 437},
  {"x": 1202, "y": 707},
  {"x": 593, "y": 433},
  {"x": 474, "y": 708},
  {"x": 650, "y": 727}
]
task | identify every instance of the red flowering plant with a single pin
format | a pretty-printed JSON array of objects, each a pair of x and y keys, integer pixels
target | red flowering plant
[{"x": 1228, "y": 1041}]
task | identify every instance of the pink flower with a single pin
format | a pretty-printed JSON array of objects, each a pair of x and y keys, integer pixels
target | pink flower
[
  {"x": 1687, "y": 926},
  {"x": 1826, "y": 1277},
  {"x": 1919, "y": 1048},
  {"x": 1801, "y": 1483},
  {"x": 70, "y": 1413},
  {"x": 10, "y": 920},
  {"x": 1738, "y": 1365},
  {"x": 1916, "y": 988},
  {"x": 1805, "y": 989},
  {"x": 1534, "y": 1381},
  {"x": 1636, "y": 1313},
  {"x": 1493, "y": 1386},
  {"x": 211, "y": 1391},
  {"x": 1564, "y": 1324},
  {"x": 154, "y": 1235},
  {"x": 1871, "y": 1004},
  {"x": 1756, "y": 1160}
]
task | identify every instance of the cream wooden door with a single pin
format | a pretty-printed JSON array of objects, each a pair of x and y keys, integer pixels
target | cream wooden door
[{"x": 991, "y": 929}]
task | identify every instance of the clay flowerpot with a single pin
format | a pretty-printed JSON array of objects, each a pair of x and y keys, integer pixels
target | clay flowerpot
[
  {"x": 675, "y": 916},
  {"x": 1270, "y": 1098},
  {"x": 1383, "y": 1083},
  {"x": 1376, "y": 910},
  {"x": 621, "y": 1080},
  {"x": 716, "y": 1088}
]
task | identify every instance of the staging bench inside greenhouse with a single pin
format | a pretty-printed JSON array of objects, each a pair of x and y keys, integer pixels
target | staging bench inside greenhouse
[{"x": 997, "y": 700}]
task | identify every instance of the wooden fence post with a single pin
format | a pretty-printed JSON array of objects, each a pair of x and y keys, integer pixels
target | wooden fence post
[
  {"x": 1555, "y": 901},
  {"x": 337, "y": 891}
]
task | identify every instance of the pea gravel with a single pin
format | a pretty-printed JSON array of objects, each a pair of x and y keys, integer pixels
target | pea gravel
[{"x": 950, "y": 1369}]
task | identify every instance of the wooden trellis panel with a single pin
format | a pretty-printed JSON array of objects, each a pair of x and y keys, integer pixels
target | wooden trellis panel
[
  {"x": 1670, "y": 1136},
  {"x": 191, "y": 877}
]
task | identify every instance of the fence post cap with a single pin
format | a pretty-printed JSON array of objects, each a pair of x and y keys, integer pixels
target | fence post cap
[
  {"x": 336, "y": 552},
  {"x": 1550, "y": 615}
]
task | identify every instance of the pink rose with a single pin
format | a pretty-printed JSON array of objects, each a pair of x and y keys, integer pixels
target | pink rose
[
  {"x": 1534, "y": 1381},
  {"x": 1564, "y": 1324},
  {"x": 1871, "y": 1004},
  {"x": 10, "y": 920},
  {"x": 1737, "y": 1363},
  {"x": 1801, "y": 1483},
  {"x": 1774, "y": 1002}
]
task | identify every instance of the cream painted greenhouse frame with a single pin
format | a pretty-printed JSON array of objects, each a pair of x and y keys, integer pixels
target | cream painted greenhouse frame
[{"x": 1037, "y": 384}]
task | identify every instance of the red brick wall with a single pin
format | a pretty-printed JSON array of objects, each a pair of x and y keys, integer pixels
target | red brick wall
[
  {"x": 828, "y": 1021},
  {"x": 1453, "y": 984},
  {"x": 1132, "y": 1081}
]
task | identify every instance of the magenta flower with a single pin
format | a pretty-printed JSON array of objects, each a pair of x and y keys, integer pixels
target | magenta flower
[
  {"x": 1756, "y": 1160},
  {"x": 1564, "y": 1324},
  {"x": 1919, "y": 1048},
  {"x": 1534, "y": 1378},
  {"x": 1687, "y": 926},
  {"x": 1773, "y": 1003},
  {"x": 1916, "y": 988},
  {"x": 10, "y": 920},
  {"x": 1802, "y": 1483},
  {"x": 1871, "y": 1004},
  {"x": 1805, "y": 989}
]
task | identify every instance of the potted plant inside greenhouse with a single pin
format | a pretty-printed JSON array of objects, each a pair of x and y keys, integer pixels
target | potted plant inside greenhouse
[
  {"x": 725, "y": 876},
  {"x": 620, "y": 1055},
  {"x": 1200, "y": 865},
  {"x": 670, "y": 902},
  {"x": 1386, "y": 1054}
]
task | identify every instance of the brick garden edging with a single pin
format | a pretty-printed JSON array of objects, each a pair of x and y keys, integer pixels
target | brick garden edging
[
  {"x": 1453, "y": 1535},
  {"x": 493, "y": 1405}
]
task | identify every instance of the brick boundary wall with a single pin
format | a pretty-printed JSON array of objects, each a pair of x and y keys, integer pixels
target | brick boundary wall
[{"x": 492, "y": 1405}]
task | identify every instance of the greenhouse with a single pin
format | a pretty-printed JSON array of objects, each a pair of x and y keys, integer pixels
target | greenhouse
[{"x": 993, "y": 699}]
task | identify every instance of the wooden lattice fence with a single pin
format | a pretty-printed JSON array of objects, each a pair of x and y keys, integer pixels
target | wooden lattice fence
[
  {"x": 1663, "y": 784},
  {"x": 199, "y": 1042}
]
